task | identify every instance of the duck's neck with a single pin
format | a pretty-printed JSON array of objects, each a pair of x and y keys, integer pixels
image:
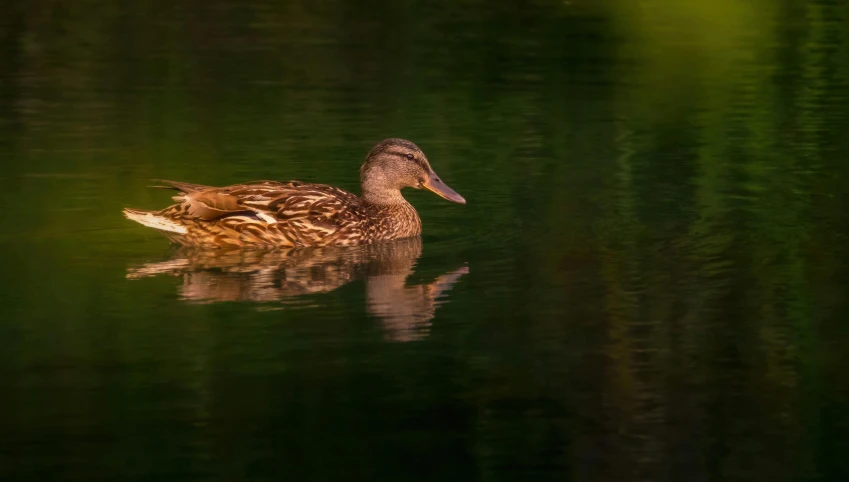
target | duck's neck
[
  {"x": 399, "y": 218},
  {"x": 379, "y": 189},
  {"x": 383, "y": 197}
]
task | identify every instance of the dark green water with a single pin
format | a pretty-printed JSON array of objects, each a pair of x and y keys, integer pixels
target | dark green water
[{"x": 650, "y": 280}]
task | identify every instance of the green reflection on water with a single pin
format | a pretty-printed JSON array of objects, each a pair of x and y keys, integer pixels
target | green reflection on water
[{"x": 655, "y": 241}]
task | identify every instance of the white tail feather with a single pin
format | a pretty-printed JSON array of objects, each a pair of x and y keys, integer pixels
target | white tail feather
[{"x": 156, "y": 222}]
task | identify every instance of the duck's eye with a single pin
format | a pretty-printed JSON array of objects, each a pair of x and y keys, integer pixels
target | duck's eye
[{"x": 410, "y": 157}]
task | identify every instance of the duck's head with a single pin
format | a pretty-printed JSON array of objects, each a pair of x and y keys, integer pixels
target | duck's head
[{"x": 394, "y": 164}]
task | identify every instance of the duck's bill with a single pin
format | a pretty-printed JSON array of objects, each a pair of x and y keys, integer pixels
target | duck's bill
[{"x": 435, "y": 185}]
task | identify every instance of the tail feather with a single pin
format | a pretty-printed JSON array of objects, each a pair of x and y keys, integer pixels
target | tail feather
[
  {"x": 185, "y": 187},
  {"x": 153, "y": 220}
]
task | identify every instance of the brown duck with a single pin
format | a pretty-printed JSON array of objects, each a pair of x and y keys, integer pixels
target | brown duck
[{"x": 297, "y": 214}]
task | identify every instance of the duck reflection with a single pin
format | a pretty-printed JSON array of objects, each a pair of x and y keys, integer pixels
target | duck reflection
[{"x": 286, "y": 275}]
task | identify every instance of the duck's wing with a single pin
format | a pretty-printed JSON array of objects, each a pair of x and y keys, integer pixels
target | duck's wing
[
  {"x": 277, "y": 201},
  {"x": 305, "y": 214},
  {"x": 296, "y": 200},
  {"x": 291, "y": 213},
  {"x": 204, "y": 203}
]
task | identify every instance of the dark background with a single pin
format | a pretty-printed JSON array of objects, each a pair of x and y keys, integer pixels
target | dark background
[{"x": 656, "y": 236}]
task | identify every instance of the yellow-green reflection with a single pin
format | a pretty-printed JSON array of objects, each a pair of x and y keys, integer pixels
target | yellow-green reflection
[{"x": 656, "y": 238}]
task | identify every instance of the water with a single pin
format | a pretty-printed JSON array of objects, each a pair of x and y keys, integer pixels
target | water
[{"x": 649, "y": 280}]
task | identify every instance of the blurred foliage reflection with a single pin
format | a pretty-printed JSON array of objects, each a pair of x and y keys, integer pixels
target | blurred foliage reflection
[{"x": 656, "y": 240}]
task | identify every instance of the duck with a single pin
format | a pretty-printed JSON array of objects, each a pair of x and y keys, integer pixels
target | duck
[{"x": 294, "y": 214}]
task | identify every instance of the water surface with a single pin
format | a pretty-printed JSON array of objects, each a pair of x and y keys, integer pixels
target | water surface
[{"x": 649, "y": 280}]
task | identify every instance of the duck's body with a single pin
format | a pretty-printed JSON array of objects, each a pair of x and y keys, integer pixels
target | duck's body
[
  {"x": 272, "y": 214},
  {"x": 295, "y": 214}
]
